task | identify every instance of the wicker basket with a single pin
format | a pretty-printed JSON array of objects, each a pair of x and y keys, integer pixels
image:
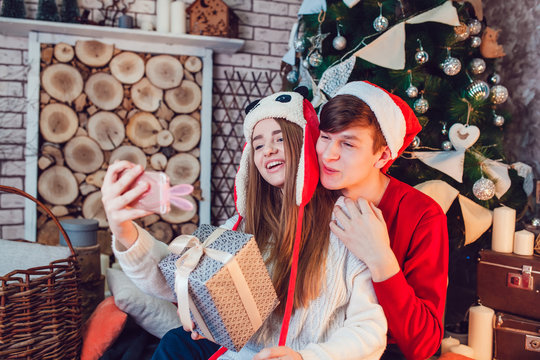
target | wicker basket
[{"x": 40, "y": 308}]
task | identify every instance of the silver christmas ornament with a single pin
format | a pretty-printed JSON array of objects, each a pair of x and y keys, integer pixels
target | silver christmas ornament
[
  {"x": 499, "y": 94},
  {"x": 484, "y": 189},
  {"x": 299, "y": 45},
  {"x": 446, "y": 145},
  {"x": 421, "y": 105},
  {"x": 444, "y": 130},
  {"x": 498, "y": 120},
  {"x": 339, "y": 42},
  {"x": 415, "y": 143},
  {"x": 412, "y": 91},
  {"x": 476, "y": 41},
  {"x": 315, "y": 59},
  {"x": 380, "y": 23},
  {"x": 477, "y": 90},
  {"x": 292, "y": 76},
  {"x": 461, "y": 32},
  {"x": 305, "y": 63},
  {"x": 535, "y": 222},
  {"x": 421, "y": 57},
  {"x": 475, "y": 26},
  {"x": 494, "y": 79},
  {"x": 477, "y": 66},
  {"x": 451, "y": 66}
]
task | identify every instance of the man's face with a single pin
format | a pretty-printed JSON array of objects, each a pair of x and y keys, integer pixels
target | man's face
[{"x": 347, "y": 161}]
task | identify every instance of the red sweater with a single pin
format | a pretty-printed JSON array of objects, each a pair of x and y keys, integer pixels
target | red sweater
[{"x": 413, "y": 300}]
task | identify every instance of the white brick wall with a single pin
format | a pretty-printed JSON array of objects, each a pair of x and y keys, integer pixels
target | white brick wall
[{"x": 264, "y": 25}]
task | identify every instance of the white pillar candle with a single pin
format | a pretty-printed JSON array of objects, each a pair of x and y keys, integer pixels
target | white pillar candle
[
  {"x": 481, "y": 331},
  {"x": 463, "y": 350},
  {"x": 163, "y": 16},
  {"x": 147, "y": 25},
  {"x": 524, "y": 242},
  {"x": 447, "y": 343},
  {"x": 504, "y": 225},
  {"x": 178, "y": 17}
]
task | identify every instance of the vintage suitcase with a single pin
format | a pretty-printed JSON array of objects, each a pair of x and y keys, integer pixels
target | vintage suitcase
[
  {"x": 516, "y": 338},
  {"x": 510, "y": 283}
]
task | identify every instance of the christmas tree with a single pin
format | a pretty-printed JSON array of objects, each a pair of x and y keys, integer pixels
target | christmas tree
[
  {"x": 441, "y": 57},
  {"x": 13, "y": 8},
  {"x": 47, "y": 10},
  {"x": 70, "y": 11}
]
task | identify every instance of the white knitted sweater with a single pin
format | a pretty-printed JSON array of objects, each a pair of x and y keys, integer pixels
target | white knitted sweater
[{"x": 344, "y": 322}]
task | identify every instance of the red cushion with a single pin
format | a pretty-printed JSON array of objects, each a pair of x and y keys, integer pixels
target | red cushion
[{"x": 101, "y": 329}]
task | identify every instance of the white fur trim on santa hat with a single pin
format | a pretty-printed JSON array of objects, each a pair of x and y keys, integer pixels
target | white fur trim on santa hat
[
  {"x": 387, "y": 112},
  {"x": 269, "y": 107}
]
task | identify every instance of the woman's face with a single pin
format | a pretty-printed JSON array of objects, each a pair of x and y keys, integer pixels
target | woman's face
[{"x": 269, "y": 152}]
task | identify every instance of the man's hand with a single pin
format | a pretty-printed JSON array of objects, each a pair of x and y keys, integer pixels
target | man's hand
[
  {"x": 364, "y": 233},
  {"x": 280, "y": 352}
]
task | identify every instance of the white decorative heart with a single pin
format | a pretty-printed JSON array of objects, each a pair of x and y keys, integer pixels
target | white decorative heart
[{"x": 463, "y": 136}]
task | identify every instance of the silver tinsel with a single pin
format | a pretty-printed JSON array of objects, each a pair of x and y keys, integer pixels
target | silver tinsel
[
  {"x": 494, "y": 79},
  {"x": 292, "y": 76},
  {"x": 339, "y": 42},
  {"x": 475, "y": 26},
  {"x": 484, "y": 189},
  {"x": 535, "y": 222},
  {"x": 476, "y": 41},
  {"x": 446, "y": 145},
  {"x": 451, "y": 66},
  {"x": 498, "y": 120},
  {"x": 315, "y": 59},
  {"x": 461, "y": 32},
  {"x": 412, "y": 91},
  {"x": 299, "y": 45},
  {"x": 499, "y": 94},
  {"x": 477, "y": 66},
  {"x": 336, "y": 76},
  {"x": 380, "y": 23},
  {"x": 477, "y": 90},
  {"x": 421, "y": 105},
  {"x": 415, "y": 143},
  {"x": 421, "y": 57}
]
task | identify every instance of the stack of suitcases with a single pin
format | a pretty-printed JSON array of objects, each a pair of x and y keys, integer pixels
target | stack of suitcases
[{"x": 510, "y": 284}]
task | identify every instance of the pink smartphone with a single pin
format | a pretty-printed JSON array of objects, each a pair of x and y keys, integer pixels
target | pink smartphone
[{"x": 160, "y": 195}]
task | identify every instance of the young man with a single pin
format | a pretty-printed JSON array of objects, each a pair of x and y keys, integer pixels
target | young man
[{"x": 363, "y": 129}]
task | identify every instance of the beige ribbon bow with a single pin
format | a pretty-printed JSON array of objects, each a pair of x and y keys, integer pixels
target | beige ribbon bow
[{"x": 189, "y": 261}]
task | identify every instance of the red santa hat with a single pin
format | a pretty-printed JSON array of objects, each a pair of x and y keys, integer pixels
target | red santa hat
[
  {"x": 293, "y": 107},
  {"x": 396, "y": 119}
]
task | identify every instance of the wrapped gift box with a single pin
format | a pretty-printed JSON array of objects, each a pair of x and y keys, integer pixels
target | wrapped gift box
[{"x": 224, "y": 301}]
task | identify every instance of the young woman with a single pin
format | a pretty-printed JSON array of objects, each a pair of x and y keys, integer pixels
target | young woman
[{"x": 335, "y": 314}]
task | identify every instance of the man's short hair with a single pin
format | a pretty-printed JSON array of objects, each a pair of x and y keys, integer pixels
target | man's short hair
[{"x": 345, "y": 111}]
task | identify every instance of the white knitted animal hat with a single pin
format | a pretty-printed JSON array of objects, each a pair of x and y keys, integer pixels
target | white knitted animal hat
[{"x": 291, "y": 106}]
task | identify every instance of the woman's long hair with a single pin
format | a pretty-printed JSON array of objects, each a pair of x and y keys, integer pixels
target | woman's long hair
[{"x": 272, "y": 215}]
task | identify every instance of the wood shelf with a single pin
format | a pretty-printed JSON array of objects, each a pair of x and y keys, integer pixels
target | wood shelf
[{"x": 21, "y": 28}]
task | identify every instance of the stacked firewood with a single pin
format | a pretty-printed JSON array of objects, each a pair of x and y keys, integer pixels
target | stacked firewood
[{"x": 99, "y": 104}]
